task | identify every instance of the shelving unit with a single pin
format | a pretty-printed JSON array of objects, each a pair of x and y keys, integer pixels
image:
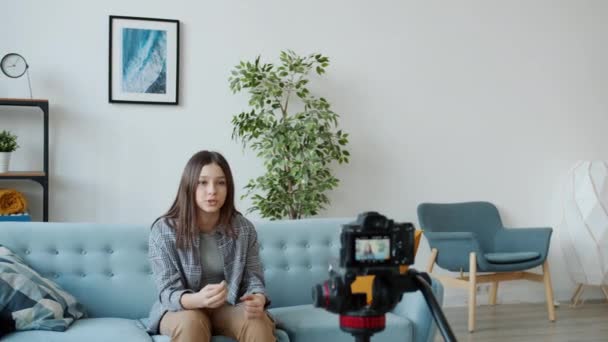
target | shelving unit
[{"x": 40, "y": 177}]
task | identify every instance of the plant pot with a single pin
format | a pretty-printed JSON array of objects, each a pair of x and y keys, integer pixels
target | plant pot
[{"x": 5, "y": 158}]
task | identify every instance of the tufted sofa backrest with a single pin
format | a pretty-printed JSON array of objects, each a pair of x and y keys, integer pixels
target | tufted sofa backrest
[
  {"x": 296, "y": 255},
  {"x": 105, "y": 266}
]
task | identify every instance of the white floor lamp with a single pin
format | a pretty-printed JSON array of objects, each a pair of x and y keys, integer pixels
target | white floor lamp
[{"x": 583, "y": 233}]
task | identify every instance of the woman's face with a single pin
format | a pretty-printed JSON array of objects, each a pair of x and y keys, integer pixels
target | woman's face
[{"x": 211, "y": 189}]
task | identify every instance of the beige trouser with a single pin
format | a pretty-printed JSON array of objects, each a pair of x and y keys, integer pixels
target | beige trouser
[{"x": 200, "y": 325}]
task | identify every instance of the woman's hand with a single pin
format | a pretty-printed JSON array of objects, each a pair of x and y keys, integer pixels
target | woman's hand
[
  {"x": 253, "y": 305},
  {"x": 212, "y": 295}
]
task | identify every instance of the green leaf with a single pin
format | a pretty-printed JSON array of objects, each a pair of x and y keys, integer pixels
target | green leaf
[{"x": 8, "y": 142}]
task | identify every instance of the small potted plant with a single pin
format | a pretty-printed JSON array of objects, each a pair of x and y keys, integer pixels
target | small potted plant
[{"x": 8, "y": 144}]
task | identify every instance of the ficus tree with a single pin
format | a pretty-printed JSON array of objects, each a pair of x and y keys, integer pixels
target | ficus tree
[{"x": 293, "y": 131}]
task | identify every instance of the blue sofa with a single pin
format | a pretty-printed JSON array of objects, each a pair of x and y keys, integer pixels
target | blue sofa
[{"x": 105, "y": 266}]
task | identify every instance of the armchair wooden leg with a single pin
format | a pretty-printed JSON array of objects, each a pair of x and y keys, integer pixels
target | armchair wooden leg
[
  {"x": 548, "y": 291},
  {"x": 431, "y": 264},
  {"x": 493, "y": 292},
  {"x": 472, "y": 290}
]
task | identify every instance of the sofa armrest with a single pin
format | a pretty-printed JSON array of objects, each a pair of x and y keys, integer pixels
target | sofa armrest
[{"x": 414, "y": 307}]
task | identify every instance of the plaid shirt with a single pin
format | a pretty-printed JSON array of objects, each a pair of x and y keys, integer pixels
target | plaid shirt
[{"x": 178, "y": 271}]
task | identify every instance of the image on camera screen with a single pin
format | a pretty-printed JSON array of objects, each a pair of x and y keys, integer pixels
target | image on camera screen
[{"x": 372, "y": 249}]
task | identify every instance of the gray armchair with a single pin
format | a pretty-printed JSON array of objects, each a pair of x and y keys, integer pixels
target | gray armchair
[{"x": 470, "y": 237}]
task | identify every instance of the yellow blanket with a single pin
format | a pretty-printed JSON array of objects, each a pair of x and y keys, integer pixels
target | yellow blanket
[{"x": 12, "y": 202}]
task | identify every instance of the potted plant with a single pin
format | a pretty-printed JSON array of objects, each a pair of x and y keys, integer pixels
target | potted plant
[
  {"x": 298, "y": 145},
  {"x": 8, "y": 144}
]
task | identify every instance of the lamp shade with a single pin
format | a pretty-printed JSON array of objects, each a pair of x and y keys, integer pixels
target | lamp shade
[{"x": 583, "y": 232}]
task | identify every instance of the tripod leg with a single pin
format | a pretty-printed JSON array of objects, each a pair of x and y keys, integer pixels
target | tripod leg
[{"x": 422, "y": 282}]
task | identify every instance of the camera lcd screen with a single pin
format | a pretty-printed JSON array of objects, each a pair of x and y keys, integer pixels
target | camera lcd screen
[{"x": 370, "y": 249}]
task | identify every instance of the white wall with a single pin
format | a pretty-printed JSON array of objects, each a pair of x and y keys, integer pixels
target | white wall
[{"x": 444, "y": 101}]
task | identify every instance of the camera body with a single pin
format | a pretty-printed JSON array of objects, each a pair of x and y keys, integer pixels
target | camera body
[
  {"x": 372, "y": 245},
  {"x": 375, "y": 243}
]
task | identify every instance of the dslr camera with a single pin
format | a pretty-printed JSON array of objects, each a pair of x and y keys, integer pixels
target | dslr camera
[
  {"x": 372, "y": 245},
  {"x": 375, "y": 243}
]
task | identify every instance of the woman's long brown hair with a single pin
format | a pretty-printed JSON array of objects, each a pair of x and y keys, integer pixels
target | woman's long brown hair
[{"x": 182, "y": 216}]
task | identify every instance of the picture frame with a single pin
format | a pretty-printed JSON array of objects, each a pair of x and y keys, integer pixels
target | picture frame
[{"x": 143, "y": 60}]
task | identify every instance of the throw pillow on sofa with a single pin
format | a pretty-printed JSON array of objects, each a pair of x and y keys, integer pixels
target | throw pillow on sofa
[{"x": 33, "y": 302}]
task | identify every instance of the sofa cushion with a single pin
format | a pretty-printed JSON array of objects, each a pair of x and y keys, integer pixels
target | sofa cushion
[
  {"x": 307, "y": 323},
  {"x": 280, "y": 335},
  {"x": 33, "y": 302},
  {"x": 162, "y": 338},
  {"x": 89, "y": 330}
]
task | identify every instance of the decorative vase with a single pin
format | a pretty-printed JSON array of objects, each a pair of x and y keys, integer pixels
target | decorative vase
[
  {"x": 5, "y": 158},
  {"x": 583, "y": 233}
]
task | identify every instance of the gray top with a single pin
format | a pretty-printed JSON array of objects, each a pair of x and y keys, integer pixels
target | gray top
[
  {"x": 179, "y": 271},
  {"x": 212, "y": 262}
]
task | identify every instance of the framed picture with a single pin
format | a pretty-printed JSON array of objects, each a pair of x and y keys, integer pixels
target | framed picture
[{"x": 144, "y": 60}]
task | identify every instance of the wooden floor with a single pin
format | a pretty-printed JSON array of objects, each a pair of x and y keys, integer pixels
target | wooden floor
[{"x": 528, "y": 322}]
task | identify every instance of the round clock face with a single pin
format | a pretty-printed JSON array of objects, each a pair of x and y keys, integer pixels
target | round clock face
[{"x": 13, "y": 65}]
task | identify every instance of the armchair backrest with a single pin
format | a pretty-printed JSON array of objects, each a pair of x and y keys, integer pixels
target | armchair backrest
[{"x": 481, "y": 218}]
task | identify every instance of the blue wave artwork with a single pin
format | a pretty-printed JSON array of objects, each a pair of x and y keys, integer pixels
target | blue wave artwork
[{"x": 144, "y": 61}]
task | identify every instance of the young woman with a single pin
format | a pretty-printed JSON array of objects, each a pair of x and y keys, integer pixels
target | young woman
[
  {"x": 205, "y": 259},
  {"x": 368, "y": 253}
]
